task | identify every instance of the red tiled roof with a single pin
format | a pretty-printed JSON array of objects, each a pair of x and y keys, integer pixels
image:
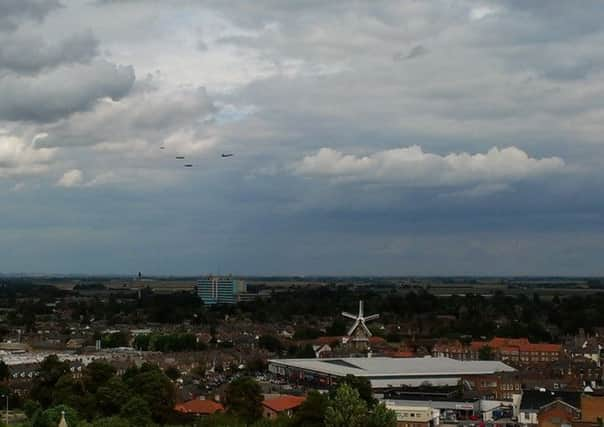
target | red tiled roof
[
  {"x": 203, "y": 407},
  {"x": 327, "y": 340},
  {"x": 477, "y": 345},
  {"x": 515, "y": 344},
  {"x": 542, "y": 347},
  {"x": 376, "y": 340},
  {"x": 448, "y": 346},
  {"x": 284, "y": 403}
]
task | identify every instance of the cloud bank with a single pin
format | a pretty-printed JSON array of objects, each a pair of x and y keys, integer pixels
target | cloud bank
[
  {"x": 411, "y": 166},
  {"x": 19, "y": 158}
]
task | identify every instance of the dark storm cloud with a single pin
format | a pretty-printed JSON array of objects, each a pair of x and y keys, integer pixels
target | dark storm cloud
[
  {"x": 40, "y": 55},
  {"x": 63, "y": 91},
  {"x": 13, "y": 12}
]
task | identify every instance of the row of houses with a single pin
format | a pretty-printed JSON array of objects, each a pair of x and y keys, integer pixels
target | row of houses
[{"x": 516, "y": 351}]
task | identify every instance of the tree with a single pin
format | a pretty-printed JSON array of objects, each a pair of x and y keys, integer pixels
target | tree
[
  {"x": 256, "y": 364},
  {"x": 4, "y": 371},
  {"x": 30, "y": 407},
  {"x": 312, "y": 411},
  {"x": 116, "y": 339},
  {"x": 52, "y": 416},
  {"x": 270, "y": 343},
  {"x": 306, "y": 333},
  {"x": 112, "y": 396},
  {"x": 137, "y": 412},
  {"x": 244, "y": 399},
  {"x": 49, "y": 372},
  {"x": 155, "y": 388},
  {"x": 486, "y": 353},
  {"x": 141, "y": 342},
  {"x": 346, "y": 408},
  {"x": 362, "y": 386},
  {"x": 172, "y": 373},
  {"x": 199, "y": 371},
  {"x": 223, "y": 420},
  {"x": 337, "y": 328},
  {"x": 111, "y": 422},
  {"x": 96, "y": 374},
  {"x": 69, "y": 391},
  {"x": 381, "y": 416}
]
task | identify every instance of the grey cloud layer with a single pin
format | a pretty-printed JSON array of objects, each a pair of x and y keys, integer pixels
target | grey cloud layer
[
  {"x": 411, "y": 181},
  {"x": 63, "y": 91},
  {"x": 13, "y": 12},
  {"x": 78, "y": 48},
  {"x": 148, "y": 115}
]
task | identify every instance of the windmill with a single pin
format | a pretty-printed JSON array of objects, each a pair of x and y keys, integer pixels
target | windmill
[{"x": 359, "y": 333}]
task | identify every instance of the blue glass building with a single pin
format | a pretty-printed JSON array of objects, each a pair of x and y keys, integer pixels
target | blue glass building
[{"x": 220, "y": 290}]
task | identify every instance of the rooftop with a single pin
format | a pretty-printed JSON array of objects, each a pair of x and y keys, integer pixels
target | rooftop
[
  {"x": 284, "y": 403},
  {"x": 199, "y": 406},
  {"x": 376, "y": 367},
  {"x": 535, "y": 399}
]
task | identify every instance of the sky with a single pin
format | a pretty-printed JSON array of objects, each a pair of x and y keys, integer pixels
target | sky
[{"x": 449, "y": 137}]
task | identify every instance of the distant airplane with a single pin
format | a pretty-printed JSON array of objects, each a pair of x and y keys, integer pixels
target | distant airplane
[
  {"x": 162, "y": 148},
  {"x": 180, "y": 157},
  {"x": 227, "y": 155},
  {"x": 188, "y": 165}
]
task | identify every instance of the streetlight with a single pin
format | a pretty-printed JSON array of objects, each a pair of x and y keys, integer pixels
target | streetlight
[{"x": 6, "y": 396}]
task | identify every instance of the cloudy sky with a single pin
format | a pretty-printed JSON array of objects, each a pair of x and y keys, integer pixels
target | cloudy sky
[{"x": 370, "y": 137}]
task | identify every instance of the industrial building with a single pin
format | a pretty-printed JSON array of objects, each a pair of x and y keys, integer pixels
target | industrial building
[
  {"x": 221, "y": 290},
  {"x": 384, "y": 373}
]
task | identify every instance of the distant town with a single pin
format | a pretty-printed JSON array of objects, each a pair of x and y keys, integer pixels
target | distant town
[{"x": 415, "y": 352}]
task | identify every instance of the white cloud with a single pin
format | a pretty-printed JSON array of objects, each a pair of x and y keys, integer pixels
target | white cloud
[
  {"x": 148, "y": 114},
  {"x": 72, "y": 178},
  {"x": 19, "y": 158},
  {"x": 411, "y": 166},
  {"x": 481, "y": 12}
]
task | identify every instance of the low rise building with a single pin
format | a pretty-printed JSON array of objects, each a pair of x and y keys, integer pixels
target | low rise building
[
  {"x": 281, "y": 405},
  {"x": 516, "y": 351},
  {"x": 540, "y": 407},
  {"x": 384, "y": 373},
  {"x": 414, "y": 416},
  {"x": 199, "y": 407},
  {"x": 449, "y": 407},
  {"x": 499, "y": 386}
]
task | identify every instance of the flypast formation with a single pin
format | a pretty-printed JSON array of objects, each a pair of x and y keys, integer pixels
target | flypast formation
[{"x": 190, "y": 165}]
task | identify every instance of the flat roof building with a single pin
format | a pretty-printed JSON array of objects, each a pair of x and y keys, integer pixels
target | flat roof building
[{"x": 384, "y": 372}]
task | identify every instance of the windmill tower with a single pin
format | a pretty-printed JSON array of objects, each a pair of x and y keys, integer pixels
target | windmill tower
[{"x": 359, "y": 333}]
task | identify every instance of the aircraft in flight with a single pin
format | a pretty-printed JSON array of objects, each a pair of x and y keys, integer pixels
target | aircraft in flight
[
  {"x": 227, "y": 155},
  {"x": 188, "y": 165},
  {"x": 180, "y": 157}
]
